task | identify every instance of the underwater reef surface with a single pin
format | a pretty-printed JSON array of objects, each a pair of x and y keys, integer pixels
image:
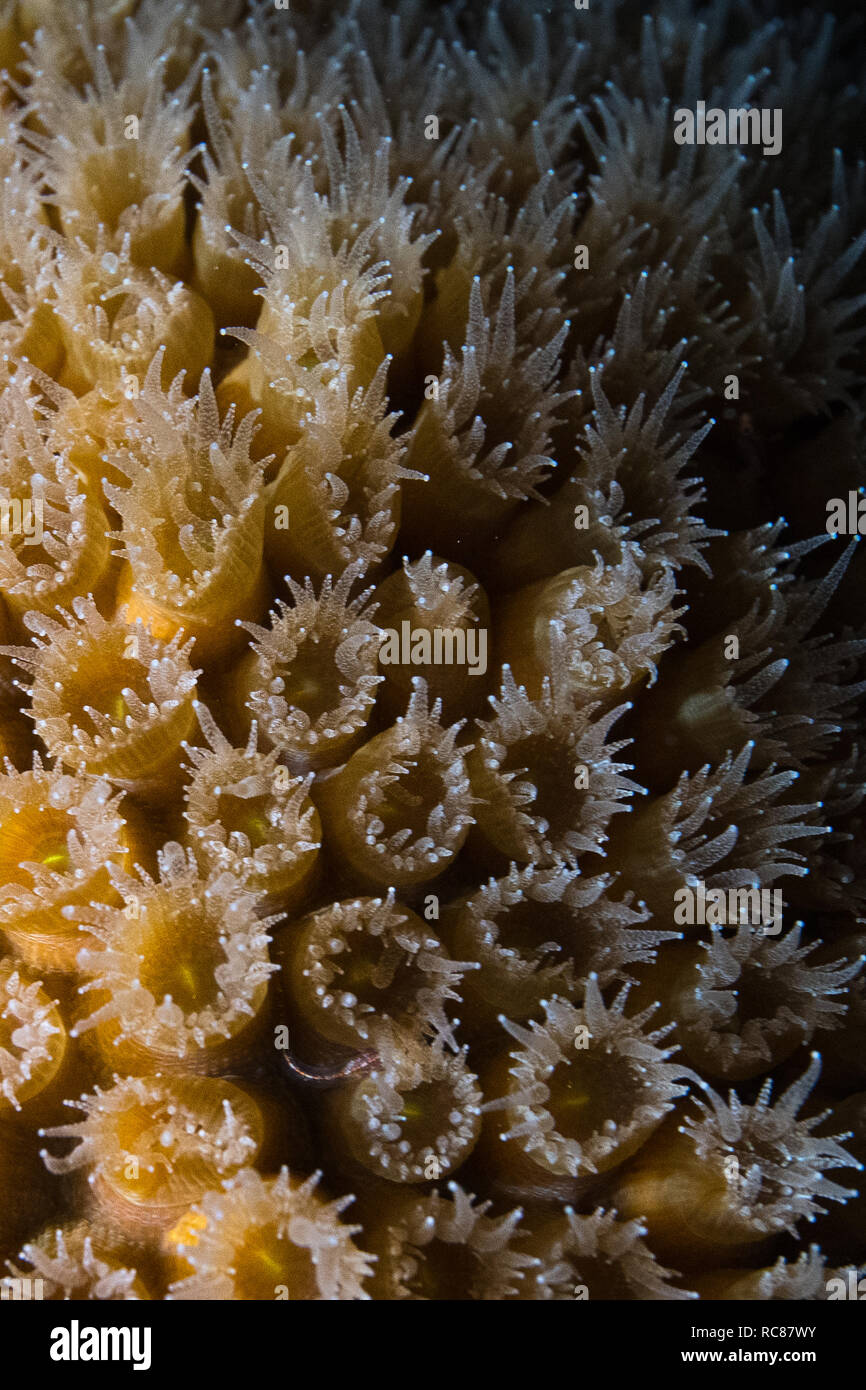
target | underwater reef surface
[{"x": 432, "y": 674}]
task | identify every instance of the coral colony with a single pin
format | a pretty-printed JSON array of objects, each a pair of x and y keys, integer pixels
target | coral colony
[{"x": 431, "y": 666}]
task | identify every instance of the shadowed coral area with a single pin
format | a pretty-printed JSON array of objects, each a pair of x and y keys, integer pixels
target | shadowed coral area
[{"x": 431, "y": 665}]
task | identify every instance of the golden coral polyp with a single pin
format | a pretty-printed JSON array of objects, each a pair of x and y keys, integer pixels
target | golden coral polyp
[
  {"x": 309, "y": 680},
  {"x": 61, "y": 547},
  {"x": 58, "y": 834},
  {"x": 448, "y": 1247},
  {"x": 33, "y": 1043},
  {"x": 318, "y": 318},
  {"x": 354, "y": 963},
  {"x": 627, "y": 487},
  {"x": 75, "y": 1262},
  {"x": 192, "y": 517},
  {"x": 604, "y": 625},
  {"x": 717, "y": 825},
  {"x": 152, "y": 1145},
  {"x": 244, "y": 813},
  {"x": 255, "y": 117},
  {"x": 478, "y": 473},
  {"x": 804, "y": 1278},
  {"x": 430, "y": 594},
  {"x": 746, "y": 1002},
  {"x": 495, "y": 240},
  {"x": 179, "y": 977},
  {"x": 587, "y": 1090},
  {"x": 594, "y": 1256},
  {"x": 414, "y": 1118},
  {"x": 114, "y": 315},
  {"x": 515, "y": 929},
  {"x": 735, "y": 1176},
  {"x": 269, "y": 1238},
  {"x": 107, "y": 698},
  {"x": 89, "y": 429},
  {"x": 563, "y": 808},
  {"x": 114, "y": 163},
  {"x": 336, "y": 498},
  {"x": 362, "y": 198},
  {"x": 537, "y": 932},
  {"x": 791, "y": 691},
  {"x": 399, "y": 810}
]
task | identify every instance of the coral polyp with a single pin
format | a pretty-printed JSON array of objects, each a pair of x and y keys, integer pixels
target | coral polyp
[
  {"x": 587, "y": 1089},
  {"x": 59, "y": 832},
  {"x": 536, "y": 932},
  {"x": 596, "y": 1256},
  {"x": 607, "y": 630},
  {"x": 112, "y": 316},
  {"x": 309, "y": 680},
  {"x": 447, "y": 1246},
  {"x": 336, "y": 498},
  {"x": 576, "y": 787},
  {"x": 399, "y": 809},
  {"x": 742, "y": 1173},
  {"x": 244, "y": 813},
  {"x": 478, "y": 476},
  {"x": 108, "y": 698},
  {"x": 179, "y": 971},
  {"x": 64, "y": 548},
  {"x": 746, "y": 1002},
  {"x": 152, "y": 1145},
  {"x": 32, "y": 1040},
  {"x": 352, "y": 965},
  {"x": 265, "y": 1239},
  {"x": 432, "y": 661},
  {"x": 201, "y": 567},
  {"x": 434, "y": 597},
  {"x": 100, "y": 177},
  {"x": 74, "y": 1263}
]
